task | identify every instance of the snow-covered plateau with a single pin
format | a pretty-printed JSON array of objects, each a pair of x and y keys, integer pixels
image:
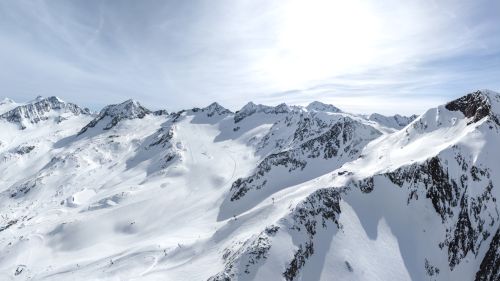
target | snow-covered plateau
[{"x": 265, "y": 193}]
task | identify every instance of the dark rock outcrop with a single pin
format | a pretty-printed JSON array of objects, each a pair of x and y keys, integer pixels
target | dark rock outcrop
[
  {"x": 475, "y": 105},
  {"x": 490, "y": 265},
  {"x": 316, "y": 210}
]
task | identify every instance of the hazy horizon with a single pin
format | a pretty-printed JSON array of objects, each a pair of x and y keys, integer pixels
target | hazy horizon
[
  {"x": 362, "y": 56},
  {"x": 233, "y": 109}
]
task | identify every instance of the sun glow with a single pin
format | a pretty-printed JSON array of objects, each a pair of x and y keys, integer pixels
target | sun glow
[{"x": 321, "y": 38}]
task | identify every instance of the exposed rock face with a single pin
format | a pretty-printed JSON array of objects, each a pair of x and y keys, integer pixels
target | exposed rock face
[
  {"x": 7, "y": 225},
  {"x": 317, "y": 212},
  {"x": 113, "y": 114},
  {"x": 247, "y": 110},
  {"x": 321, "y": 208},
  {"x": 24, "y": 188},
  {"x": 308, "y": 127},
  {"x": 40, "y": 110},
  {"x": 490, "y": 266},
  {"x": 295, "y": 128},
  {"x": 25, "y": 149},
  {"x": 161, "y": 141},
  {"x": 342, "y": 142},
  {"x": 160, "y": 112},
  {"x": 475, "y": 105},
  {"x": 245, "y": 258},
  {"x": 468, "y": 213},
  {"x": 443, "y": 191},
  {"x": 163, "y": 137}
]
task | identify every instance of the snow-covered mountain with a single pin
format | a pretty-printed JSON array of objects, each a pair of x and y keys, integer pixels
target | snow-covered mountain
[
  {"x": 396, "y": 121},
  {"x": 40, "y": 109},
  {"x": 265, "y": 193},
  {"x": 319, "y": 106},
  {"x": 112, "y": 114},
  {"x": 7, "y": 104}
]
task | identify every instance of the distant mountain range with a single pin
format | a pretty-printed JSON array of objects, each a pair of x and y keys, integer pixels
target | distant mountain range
[{"x": 264, "y": 193}]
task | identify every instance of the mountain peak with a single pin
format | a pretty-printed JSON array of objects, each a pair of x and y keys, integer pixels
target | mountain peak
[
  {"x": 396, "y": 121},
  {"x": 51, "y": 99},
  {"x": 37, "y": 99},
  {"x": 477, "y": 105},
  {"x": 252, "y": 108},
  {"x": 214, "y": 104},
  {"x": 215, "y": 109},
  {"x": 282, "y": 108},
  {"x": 319, "y": 106},
  {"x": 55, "y": 98},
  {"x": 247, "y": 110},
  {"x": 6, "y": 101},
  {"x": 129, "y": 109},
  {"x": 249, "y": 104},
  {"x": 131, "y": 102},
  {"x": 39, "y": 109}
]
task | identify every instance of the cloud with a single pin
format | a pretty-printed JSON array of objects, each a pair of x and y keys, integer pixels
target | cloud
[{"x": 384, "y": 56}]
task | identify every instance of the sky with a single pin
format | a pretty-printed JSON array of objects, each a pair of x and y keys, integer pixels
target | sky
[{"x": 386, "y": 56}]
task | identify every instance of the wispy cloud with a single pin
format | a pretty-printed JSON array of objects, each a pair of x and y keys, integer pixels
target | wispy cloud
[{"x": 363, "y": 55}]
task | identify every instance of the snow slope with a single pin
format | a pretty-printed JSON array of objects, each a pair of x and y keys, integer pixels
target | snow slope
[
  {"x": 396, "y": 122},
  {"x": 266, "y": 193}
]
